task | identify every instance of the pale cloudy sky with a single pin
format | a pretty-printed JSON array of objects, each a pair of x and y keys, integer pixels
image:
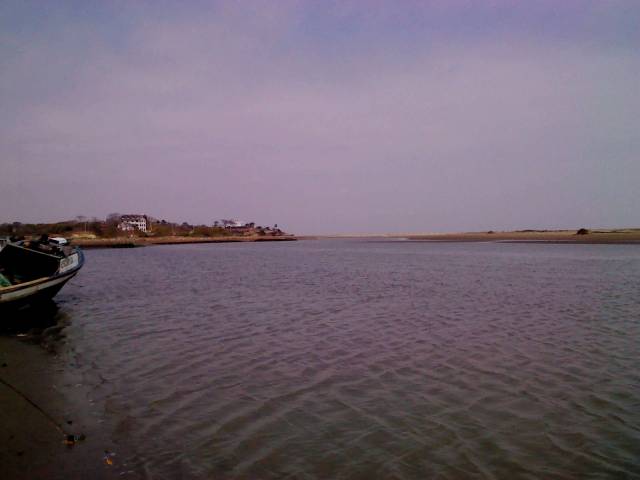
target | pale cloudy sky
[{"x": 323, "y": 116}]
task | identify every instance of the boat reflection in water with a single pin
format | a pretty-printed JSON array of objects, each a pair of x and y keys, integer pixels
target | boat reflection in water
[{"x": 32, "y": 319}]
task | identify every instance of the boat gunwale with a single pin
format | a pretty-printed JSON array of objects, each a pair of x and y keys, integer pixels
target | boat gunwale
[{"x": 30, "y": 283}]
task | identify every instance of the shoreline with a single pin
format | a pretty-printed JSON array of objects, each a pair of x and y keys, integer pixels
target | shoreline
[
  {"x": 594, "y": 237},
  {"x": 33, "y": 445},
  {"x": 132, "y": 242},
  {"x": 22, "y": 422}
]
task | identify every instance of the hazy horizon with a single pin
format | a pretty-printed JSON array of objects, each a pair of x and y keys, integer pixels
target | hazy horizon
[{"x": 323, "y": 117}]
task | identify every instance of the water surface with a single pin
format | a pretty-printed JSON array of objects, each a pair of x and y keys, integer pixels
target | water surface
[{"x": 362, "y": 359}]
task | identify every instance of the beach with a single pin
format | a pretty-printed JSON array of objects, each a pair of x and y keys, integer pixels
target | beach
[
  {"x": 594, "y": 237},
  {"x": 629, "y": 236},
  {"x": 33, "y": 441},
  {"x": 29, "y": 441}
]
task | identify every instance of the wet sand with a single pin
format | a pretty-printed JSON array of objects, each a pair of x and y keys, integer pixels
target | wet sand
[
  {"x": 630, "y": 236},
  {"x": 622, "y": 236},
  {"x": 29, "y": 441},
  {"x": 32, "y": 443}
]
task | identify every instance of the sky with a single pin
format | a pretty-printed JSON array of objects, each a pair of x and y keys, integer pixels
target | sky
[{"x": 323, "y": 116}]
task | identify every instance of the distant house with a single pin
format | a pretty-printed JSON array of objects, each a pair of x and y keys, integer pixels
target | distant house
[
  {"x": 134, "y": 222},
  {"x": 232, "y": 223},
  {"x": 236, "y": 226}
]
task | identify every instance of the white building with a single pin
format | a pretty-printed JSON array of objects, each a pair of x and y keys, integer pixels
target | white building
[
  {"x": 230, "y": 223},
  {"x": 134, "y": 222}
]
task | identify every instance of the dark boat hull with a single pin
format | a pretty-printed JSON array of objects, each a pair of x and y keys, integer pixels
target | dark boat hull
[{"x": 38, "y": 291}]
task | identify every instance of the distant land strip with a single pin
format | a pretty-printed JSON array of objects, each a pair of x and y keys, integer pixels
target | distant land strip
[
  {"x": 130, "y": 242},
  {"x": 629, "y": 236}
]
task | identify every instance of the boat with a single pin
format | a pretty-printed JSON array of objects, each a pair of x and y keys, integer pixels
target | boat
[{"x": 33, "y": 271}]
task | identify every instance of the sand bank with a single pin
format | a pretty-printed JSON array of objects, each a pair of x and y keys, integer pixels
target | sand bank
[
  {"x": 631, "y": 236},
  {"x": 622, "y": 236}
]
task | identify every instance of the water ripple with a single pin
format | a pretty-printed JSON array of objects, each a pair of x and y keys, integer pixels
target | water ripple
[{"x": 354, "y": 359}]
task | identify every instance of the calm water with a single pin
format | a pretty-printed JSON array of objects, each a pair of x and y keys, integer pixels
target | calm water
[{"x": 362, "y": 359}]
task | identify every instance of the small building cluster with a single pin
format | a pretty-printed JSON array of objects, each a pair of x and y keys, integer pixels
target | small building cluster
[
  {"x": 238, "y": 227},
  {"x": 146, "y": 224},
  {"x": 129, "y": 223},
  {"x": 235, "y": 226}
]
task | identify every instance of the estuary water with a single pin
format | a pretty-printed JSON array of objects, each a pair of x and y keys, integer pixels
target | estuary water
[{"x": 360, "y": 359}]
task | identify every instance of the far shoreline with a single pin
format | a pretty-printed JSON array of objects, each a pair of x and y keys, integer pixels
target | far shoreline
[
  {"x": 132, "y": 242},
  {"x": 629, "y": 236}
]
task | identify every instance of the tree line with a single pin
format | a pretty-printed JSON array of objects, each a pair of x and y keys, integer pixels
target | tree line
[{"x": 91, "y": 226}]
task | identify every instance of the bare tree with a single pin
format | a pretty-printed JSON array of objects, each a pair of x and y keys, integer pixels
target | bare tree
[{"x": 114, "y": 218}]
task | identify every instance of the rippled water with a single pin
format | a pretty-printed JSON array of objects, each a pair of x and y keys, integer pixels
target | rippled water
[{"x": 363, "y": 359}]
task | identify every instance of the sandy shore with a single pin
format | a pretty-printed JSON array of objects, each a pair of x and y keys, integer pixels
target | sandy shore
[
  {"x": 32, "y": 442},
  {"x": 125, "y": 242},
  {"x": 28, "y": 439},
  {"x": 622, "y": 236},
  {"x": 550, "y": 236},
  {"x": 43, "y": 399}
]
